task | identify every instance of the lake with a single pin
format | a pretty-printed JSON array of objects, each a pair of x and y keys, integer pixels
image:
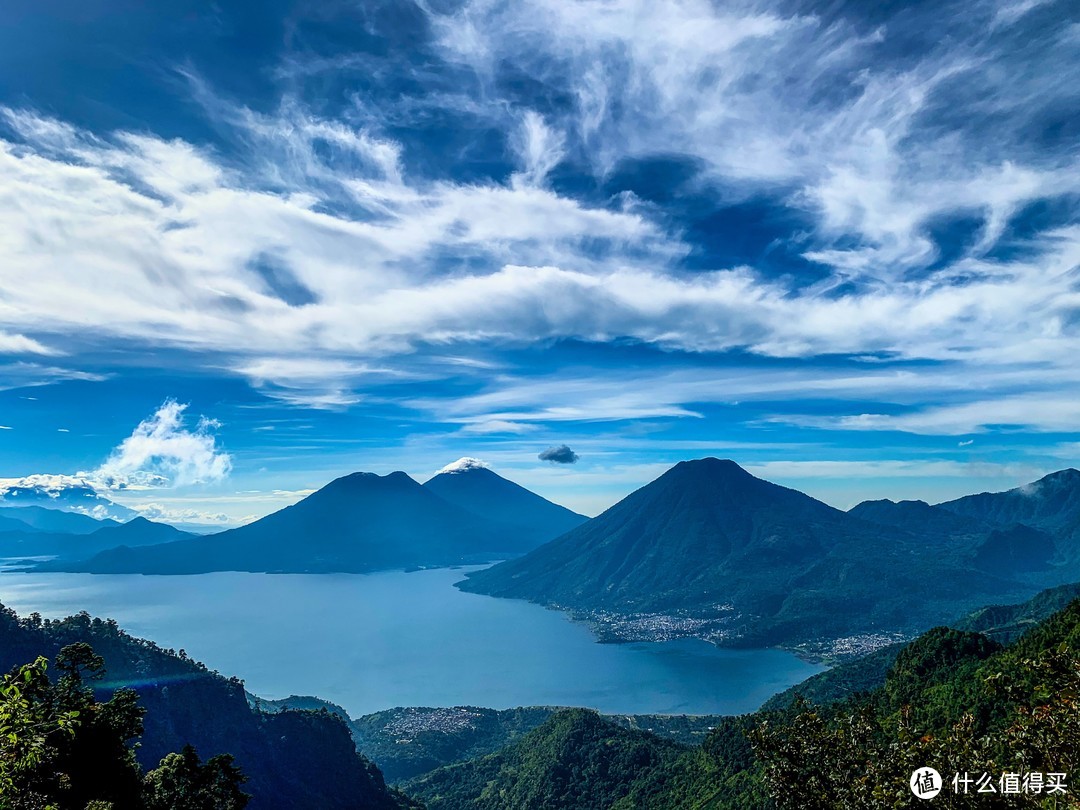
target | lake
[{"x": 375, "y": 641}]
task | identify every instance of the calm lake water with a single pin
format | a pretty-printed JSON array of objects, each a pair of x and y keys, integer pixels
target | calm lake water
[{"x": 371, "y": 642}]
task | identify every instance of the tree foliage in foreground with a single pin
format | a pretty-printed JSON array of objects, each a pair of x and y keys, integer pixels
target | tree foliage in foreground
[
  {"x": 62, "y": 749},
  {"x": 954, "y": 702}
]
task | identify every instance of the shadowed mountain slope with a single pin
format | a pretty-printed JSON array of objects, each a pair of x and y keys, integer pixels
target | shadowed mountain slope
[
  {"x": 137, "y": 532},
  {"x": 11, "y": 524},
  {"x": 486, "y": 494},
  {"x": 1051, "y": 504},
  {"x": 1006, "y": 550},
  {"x": 672, "y": 541},
  {"x": 708, "y": 534},
  {"x": 921, "y": 516},
  {"x": 360, "y": 522}
]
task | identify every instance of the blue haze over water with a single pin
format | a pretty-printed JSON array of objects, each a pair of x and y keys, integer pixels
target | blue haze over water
[{"x": 371, "y": 642}]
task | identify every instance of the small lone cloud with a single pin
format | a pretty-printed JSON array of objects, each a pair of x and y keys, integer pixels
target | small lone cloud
[
  {"x": 559, "y": 455},
  {"x": 965, "y": 444}
]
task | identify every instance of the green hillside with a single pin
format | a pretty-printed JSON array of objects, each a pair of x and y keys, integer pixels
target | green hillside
[
  {"x": 574, "y": 760},
  {"x": 953, "y": 700}
]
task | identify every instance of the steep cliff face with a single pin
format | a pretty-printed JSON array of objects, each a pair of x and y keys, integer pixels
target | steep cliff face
[{"x": 292, "y": 759}]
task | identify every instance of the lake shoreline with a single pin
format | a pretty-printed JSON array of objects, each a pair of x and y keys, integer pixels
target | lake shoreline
[{"x": 370, "y": 642}]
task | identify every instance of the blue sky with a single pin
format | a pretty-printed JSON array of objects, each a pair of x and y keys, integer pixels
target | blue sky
[{"x": 251, "y": 246}]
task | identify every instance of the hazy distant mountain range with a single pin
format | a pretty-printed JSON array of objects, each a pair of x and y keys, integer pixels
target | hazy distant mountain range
[
  {"x": 62, "y": 493},
  {"x": 79, "y": 540},
  {"x": 706, "y": 542},
  {"x": 47, "y": 519}
]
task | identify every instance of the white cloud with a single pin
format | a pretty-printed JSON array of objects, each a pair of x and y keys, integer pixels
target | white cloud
[
  {"x": 162, "y": 513},
  {"x": 1012, "y": 10},
  {"x": 316, "y": 383},
  {"x": 618, "y": 394},
  {"x": 767, "y": 99},
  {"x": 204, "y": 296},
  {"x": 20, "y": 344},
  {"x": 496, "y": 426},
  {"x": 915, "y": 468},
  {"x": 162, "y": 452},
  {"x": 539, "y": 147},
  {"x": 24, "y": 374},
  {"x": 46, "y": 482},
  {"x": 1032, "y": 412},
  {"x": 315, "y": 265}
]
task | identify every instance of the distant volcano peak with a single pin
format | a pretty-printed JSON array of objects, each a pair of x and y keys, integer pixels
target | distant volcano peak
[
  {"x": 711, "y": 473},
  {"x": 713, "y": 465},
  {"x": 363, "y": 481},
  {"x": 464, "y": 464}
]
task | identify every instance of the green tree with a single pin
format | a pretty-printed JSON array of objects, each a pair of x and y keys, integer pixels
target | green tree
[
  {"x": 28, "y": 723},
  {"x": 63, "y": 749},
  {"x": 97, "y": 762},
  {"x": 182, "y": 782}
]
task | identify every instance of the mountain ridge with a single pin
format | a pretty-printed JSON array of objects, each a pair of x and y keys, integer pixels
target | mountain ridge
[
  {"x": 357, "y": 523},
  {"x": 707, "y": 534},
  {"x": 45, "y": 519},
  {"x": 1051, "y": 504},
  {"x": 70, "y": 547}
]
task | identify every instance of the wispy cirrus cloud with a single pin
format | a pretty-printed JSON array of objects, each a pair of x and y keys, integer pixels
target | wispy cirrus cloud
[
  {"x": 318, "y": 253},
  {"x": 25, "y": 374},
  {"x": 966, "y": 398},
  {"x": 21, "y": 344},
  {"x": 1045, "y": 411},
  {"x": 877, "y": 143}
]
